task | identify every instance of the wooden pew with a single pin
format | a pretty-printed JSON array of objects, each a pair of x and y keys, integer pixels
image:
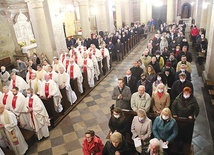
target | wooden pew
[
  {"x": 185, "y": 132},
  {"x": 7, "y": 63},
  {"x": 65, "y": 102},
  {"x": 49, "y": 105},
  {"x": 74, "y": 86}
]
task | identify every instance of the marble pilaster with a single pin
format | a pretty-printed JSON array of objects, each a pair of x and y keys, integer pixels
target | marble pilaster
[
  {"x": 127, "y": 12},
  {"x": 143, "y": 11},
  {"x": 118, "y": 14},
  {"x": 204, "y": 13},
  {"x": 170, "y": 11},
  {"x": 210, "y": 7},
  {"x": 149, "y": 11}
]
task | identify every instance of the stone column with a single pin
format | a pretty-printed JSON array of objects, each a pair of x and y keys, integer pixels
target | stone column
[
  {"x": 40, "y": 27},
  {"x": 204, "y": 14},
  {"x": 209, "y": 67},
  {"x": 198, "y": 12},
  {"x": 101, "y": 16},
  {"x": 127, "y": 10},
  {"x": 210, "y": 7},
  {"x": 170, "y": 11},
  {"x": 118, "y": 14},
  {"x": 143, "y": 12},
  {"x": 149, "y": 11},
  {"x": 84, "y": 18},
  {"x": 110, "y": 19}
]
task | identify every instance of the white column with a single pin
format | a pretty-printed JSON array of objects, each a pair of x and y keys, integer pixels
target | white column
[
  {"x": 127, "y": 10},
  {"x": 143, "y": 12},
  {"x": 118, "y": 14},
  {"x": 84, "y": 18},
  {"x": 210, "y": 7},
  {"x": 209, "y": 67},
  {"x": 110, "y": 19},
  {"x": 40, "y": 27},
  {"x": 149, "y": 11},
  {"x": 170, "y": 11},
  {"x": 101, "y": 16},
  {"x": 204, "y": 14},
  {"x": 198, "y": 11}
]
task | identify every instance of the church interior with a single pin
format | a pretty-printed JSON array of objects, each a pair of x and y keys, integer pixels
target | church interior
[{"x": 52, "y": 29}]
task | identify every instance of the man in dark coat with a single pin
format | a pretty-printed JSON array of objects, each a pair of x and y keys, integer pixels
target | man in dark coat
[
  {"x": 136, "y": 70},
  {"x": 130, "y": 81},
  {"x": 155, "y": 64}
]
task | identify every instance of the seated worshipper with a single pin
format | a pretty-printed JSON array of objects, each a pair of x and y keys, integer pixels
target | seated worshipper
[
  {"x": 150, "y": 73},
  {"x": 116, "y": 145},
  {"x": 155, "y": 148},
  {"x": 146, "y": 83},
  {"x": 75, "y": 72},
  {"x": 141, "y": 128},
  {"x": 18, "y": 108},
  {"x": 4, "y": 76},
  {"x": 122, "y": 95},
  {"x": 140, "y": 100},
  {"x": 184, "y": 61},
  {"x": 66, "y": 61},
  {"x": 53, "y": 75},
  {"x": 64, "y": 82},
  {"x": 160, "y": 99},
  {"x": 7, "y": 96},
  {"x": 18, "y": 81},
  {"x": 45, "y": 65},
  {"x": 92, "y": 144},
  {"x": 11, "y": 132},
  {"x": 29, "y": 74},
  {"x": 87, "y": 69},
  {"x": 35, "y": 84},
  {"x": 22, "y": 68},
  {"x": 40, "y": 74},
  {"x": 50, "y": 89},
  {"x": 179, "y": 85},
  {"x": 165, "y": 127},
  {"x": 155, "y": 64},
  {"x": 56, "y": 64},
  {"x": 183, "y": 70},
  {"x": 130, "y": 81},
  {"x": 38, "y": 118},
  {"x": 185, "y": 105},
  {"x": 118, "y": 122},
  {"x": 159, "y": 79},
  {"x": 136, "y": 70}
]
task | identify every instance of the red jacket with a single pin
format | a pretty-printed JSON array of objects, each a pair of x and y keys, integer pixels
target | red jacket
[
  {"x": 194, "y": 32},
  {"x": 96, "y": 148}
]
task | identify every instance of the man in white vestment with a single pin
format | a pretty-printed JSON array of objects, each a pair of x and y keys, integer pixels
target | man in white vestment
[
  {"x": 64, "y": 82},
  {"x": 56, "y": 64},
  {"x": 7, "y": 96},
  {"x": 75, "y": 72},
  {"x": 72, "y": 51},
  {"x": 53, "y": 75},
  {"x": 66, "y": 61},
  {"x": 62, "y": 55},
  {"x": 18, "y": 81},
  {"x": 13, "y": 136},
  {"x": 37, "y": 114},
  {"x": 1, "y": 152},
  {"x": 45, "y": 65},
  {"x": 50, "y": 89},
  {"x": 35, "y": 84},
  {"x": 77, "y": 58},
  {"x": 4, "y": 76},
  {"x": 87, "y": 66},
  {"x": 105, "y": 54},
  {"x": 95, "y": 64},
  {"x": 40, "y": 74},
  {"x": 29, "y": 74}
]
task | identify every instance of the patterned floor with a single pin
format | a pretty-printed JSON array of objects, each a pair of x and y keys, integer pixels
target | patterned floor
[{"x": 93, "y": 113}]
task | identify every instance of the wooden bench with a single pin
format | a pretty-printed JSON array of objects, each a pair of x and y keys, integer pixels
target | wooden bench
[
  {"x": 7, "y": 63},
  {"x": 211, "y": 92},
  {"x": 210, "y": 83}
]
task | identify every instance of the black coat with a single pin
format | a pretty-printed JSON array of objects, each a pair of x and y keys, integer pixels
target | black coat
[
  {"x": 136, "y": 72},
  {"x": 119, "y": 124},
  {"x": 132, "y": 84},
  {"x": 156, "y": 67},
  {"x": 147, "y": 84},
  {"x": 188, "y": 75},
  {"x": 187, "y": 54}
]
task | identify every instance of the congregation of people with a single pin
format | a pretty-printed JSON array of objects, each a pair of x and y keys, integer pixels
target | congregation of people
[{"x": 159, "y": 83}]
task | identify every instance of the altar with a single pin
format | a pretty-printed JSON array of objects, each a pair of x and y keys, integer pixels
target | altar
[{"x": 29, "y": 49}]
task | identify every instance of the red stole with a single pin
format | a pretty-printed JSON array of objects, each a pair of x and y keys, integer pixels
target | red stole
[
  {"x": 30, "y": 75},
  {"x": 30, "y": 105},
  {"x": 63, "y": 57},
  {"x": 50, "y": 74},
  {"x": 46, "y": 90},
  {"x": 14, "y": 101},
  {"x": 14, "y": 83},
  {"x": 102, "y": 52},
  {"x": 85, "y": 64},
  {"x": 73, "y": 52},
  {"x": 71, "y": 71},
  {"x": 66, "y": 64},
  {"x": 5, "y": 99}
]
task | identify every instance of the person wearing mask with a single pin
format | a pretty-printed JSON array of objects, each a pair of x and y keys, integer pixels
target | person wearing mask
[
  {"x": 141, "y": 100},
  {"x": 130, "y": 81},
  {"x": 183, "y": 70},
  {"x": 92, "y": 144},
  {"x": 118, "y": 49},
  {"x": 145, "y": 58},
  {"x": 146, "y": 83},
  {"x": 160, "y": 99},
  {"x": 172, "y": 60},
  {"x": 141, "y": 128},
  {"x": 179, "y": 85},
  {"x": 4, "y": 76},
  {"x": 159, "y": 79},
  {"x": 159, "y": 59},
  {"x": 155, "y": 64},
  {"x": 184, "y": 61},
  {"x": 165, "y": 128},
  {"x": 186, "y": 53}
]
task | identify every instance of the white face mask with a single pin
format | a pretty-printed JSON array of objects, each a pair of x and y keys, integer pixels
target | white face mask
[
  {"x": 128, "y": 76},
  {"x": 160, "y": 90},
  {"x": 157, "y": 56},
  {"x": 3, "y": 70},
  {"x": 116, "y": 116},
  {"x": 182, "y": 80},
  {"x": 28, "y": 95},
  {"x": 165, "y": 117},
  {"x": 158, "y": 78},
  {"x": 140, "y": 118},
  {"x": 183, "y": 70},
  {"x": 186, "y": 96}
]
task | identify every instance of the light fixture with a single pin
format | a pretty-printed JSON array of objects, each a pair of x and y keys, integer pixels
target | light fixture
[{"x": 192, "y": 3}]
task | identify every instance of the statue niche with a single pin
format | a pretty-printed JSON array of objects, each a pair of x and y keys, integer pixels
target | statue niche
[{"x": 185, "y": 10}]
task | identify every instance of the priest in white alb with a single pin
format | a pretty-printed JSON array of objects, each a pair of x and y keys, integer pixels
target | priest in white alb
[
  {"x": 37, "y": 114},
  {"x": 74, "y": 71},
  {"x": 12, "y": 134},
  {"x": 95, "y": 64},
  {"x": 7, "y": 96},
  {"x": 56, "y": 64},
  {"x": 30, "y": 71},
  {"x": 66, "y": 61},
  {"x": 35, "y": 84},
  {"x": 40, "y": 72},
  {"x": 53, "y": 75},
  {"x": 64, "y": 82},
  {"x": 18, "y": 81},
  {"x": 50, "y": 89}
]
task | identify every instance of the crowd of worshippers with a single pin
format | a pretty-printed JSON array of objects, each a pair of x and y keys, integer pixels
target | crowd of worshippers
[{"x": 159, "y": 82}]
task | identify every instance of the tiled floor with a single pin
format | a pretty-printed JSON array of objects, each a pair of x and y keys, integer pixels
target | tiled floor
[{"x": 93, "y": 113}]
